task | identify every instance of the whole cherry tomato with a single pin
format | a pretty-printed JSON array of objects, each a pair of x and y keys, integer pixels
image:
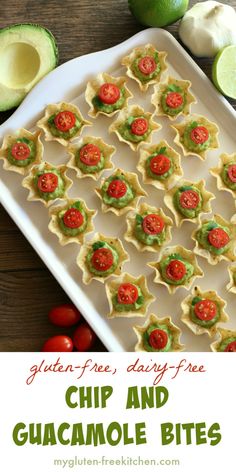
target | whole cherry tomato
[
  {"x": 64, "y": 315},
  {"x": 60, "y": 343},
  {"x": 83, "y": 337}
]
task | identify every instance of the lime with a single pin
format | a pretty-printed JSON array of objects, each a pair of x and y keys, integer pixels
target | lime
[
  {"x": 158, "y": 12},
  {"x": 224, "y": 71}
]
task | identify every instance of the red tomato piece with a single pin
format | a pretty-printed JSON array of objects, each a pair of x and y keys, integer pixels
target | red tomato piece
[
  {"x": 20, "y": 151},
  {"x": 189, "y": 199},
  {"x": 218, "y": 238},
  {"x": 65, "y": 120},
  {"x": 232, "y": 173},
  {"x": 205, "y": 310},
  {"x": 158, "y": 339},
  {"x": 83, "y": 337},
  {"x": 175, "y": 270},
  {"x": 160, "y": 164},
  {"x": 90, "y": 155},
  {"x": 60, "y": 343},
  {"x": 48, "y": 182},
  {"x": 153, "y": 224},
  {"x": 174, "y": 100},
  {"x": 73, "y": 218},
  {"x": 64, "y": 315},
  {"x": 147, "y": 65},
  {"x": 199, "y": 134},
  {"x": 231, "y": 347},
  {"x": 109, "y": 93},
  {"x": 102, "y": 259},
  {"x": 139, "y": 126},
  {"x": 127, "y": 294},
  {"x": 117, "y": 188}
]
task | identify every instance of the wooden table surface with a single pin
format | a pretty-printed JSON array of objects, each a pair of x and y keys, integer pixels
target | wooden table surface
[{"x": 27, "y": 288}]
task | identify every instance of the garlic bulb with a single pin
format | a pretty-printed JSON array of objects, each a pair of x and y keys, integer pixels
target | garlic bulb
[{"x": 208, "y": 27}]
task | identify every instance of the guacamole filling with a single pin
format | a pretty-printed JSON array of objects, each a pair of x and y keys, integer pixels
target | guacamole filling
[
  {"x": 59, "y": 190},
  {"x": 147, "y": 239},
  {"x": 113, "y": 254},
  {"x": 68, "y": 231},
  {"x": 225, "y": 345},
  {"x": 126, "y": 132},
  {"x": 189, "y": 269},
  {"x": 170, "y": 91},
  {"x": 109, "y": 108},
  {"x": 189, "y": 143},
  {"x": 202, "y": 237},
  {"x": 191, "y": 206},
  {"x": 64, "y": 134},
  {"x": 116, "y": 201},
  {"x": 234, "y": 278},
  {"x": 87, "y": 169},
  {"x": 201, "y": 322},
  {"x": 128, "y": 306},
  {"x": 228, "y": 178},
  {"x": 22, "y": 162},
  {"x": 164, "y": 167},
  {"x": 146, "y": 77},
  {"x": 146, "y": 338}
]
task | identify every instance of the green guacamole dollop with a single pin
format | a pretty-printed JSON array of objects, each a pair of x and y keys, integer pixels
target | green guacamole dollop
[
  {"x": 58, "y": 192},
  {"x": 168, "y": 110},
  {"x": 129, "y": 307},
  {"x": 189, "y": 144},
  {"x": 187, "y": 212},
  {"x": 64, "y": 134},
  {"x": 109, "y": 108},
  {"x": 167, "y": 174},
  {"x": 146, "y": 77},
  {"x": 126, "y": 133},
  {"x": 147, "y": 333},
  {"x": 89, "y": 169},
  {"x": 225, "y": 177},
  {"x": 73, "y": 231},
  {"x": 225, "y": 343},
  {"x": 23, "y": 162},
  {"x": 164, "y": 263},
  {"x": 203, "y": 323},
  {"x": 144, "y": 238},
  {"x": 117, "y": 202},
  {"x": 202, "y": 237},
  {"x": 98, "y": 245}
]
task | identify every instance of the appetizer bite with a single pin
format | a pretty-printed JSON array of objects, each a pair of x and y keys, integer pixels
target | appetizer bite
[
  {"x": 21, "y": 151},
  {"x": 62, "y": 122},
  {"x": 226, "y": 341},
  {"x": 231, "y": 287},
  {"x": 158, "y": 335},
  {"x": 107, "y": 95},
  {"x": 71, "y": 221},
  {"x": 203, "y": 311},
  {"x": 146, "y": 65},
  {"x": 225, "y": 173},
  {"x": 173, "y": 98},
  {"x": 148, "y": 229},
  {"x": 120, "y": 192}
]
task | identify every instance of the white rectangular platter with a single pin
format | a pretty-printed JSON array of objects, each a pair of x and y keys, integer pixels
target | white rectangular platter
[{"x": 68, "y": 83}]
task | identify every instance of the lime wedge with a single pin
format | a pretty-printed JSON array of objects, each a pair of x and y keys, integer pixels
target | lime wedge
[{"x": 224, "y": 71}]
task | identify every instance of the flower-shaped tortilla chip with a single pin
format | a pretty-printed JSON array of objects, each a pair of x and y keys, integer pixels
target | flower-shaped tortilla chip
[
  {"x": 69, "y": 236},
  {"x": 171, "y": 255},
  {"x": 226, "y": 341},
  {"x": 63, "y": 137},
  {"x": 26, "y": 146},
  {"x": 91, "y": 94},
  {"x": 119, "y": 257},
  {"x": 142, "y": 297},
  {"x": 225, "y": 173},
  {"x": 162, "y": 324},
  {"x": 211, "y": 252},
  {"x": 155, "y": 63},
  {"x": 196, "y": 200},
  {"x": 164, "y": 236},
  {"x": 177, "y": 104},
  {"x": 62, "y": 179},
  {"x": 164, "y": 179},
  {"x": 134, "y": 192},
  {"x": 203, "y": 323},
  {"x": 95, "y": 167},
  {"x": 208, "y": 138},
  {"x": 231, "y": 287},
  {"x": 122, "y": 127}
]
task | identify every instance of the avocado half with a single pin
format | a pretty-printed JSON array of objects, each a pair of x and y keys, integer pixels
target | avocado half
[{"x": 27, "y": 53}]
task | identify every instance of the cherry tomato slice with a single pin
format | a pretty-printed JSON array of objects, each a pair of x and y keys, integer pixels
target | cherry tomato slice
[
  {"x": 48, "y": 182},
  {"x": 189, "y": 199},
  {"x": 153, "y": 224},
  {"x": 218, "y": 238},
  {"x": 147, "y": 65},
  {"x": 109, "y": 93},
  {"x": 117, "y": 188},
  {"x": 175, "y": 270},
  {"x": 205, "y": 310},
  {"x": 83, "y": 337},
  {"x": 102, "y": 259},
  {"x": 65, "y": 120},
  {"x": 20, "y": 151},
  {"x": 158, "y": 339},
  {"x": 160, "y": 164},
  {"x": 73, "y": 218},
  {"x": 127, "y": 294},
  {"x": 60, "y": 343},
  {"x": 64, "y": 315},
  {"x": 174, "y": 100},
  {"x": 232, "y": 173},
  {"x": 199, "y": 135},
  {"x": 90, "y": 155},
  {"x": 139, "y": 126},
  {"x": 231, "y": 347}
]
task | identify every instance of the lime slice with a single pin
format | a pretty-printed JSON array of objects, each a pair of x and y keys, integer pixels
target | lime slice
[{"x": 224, "y": 71}]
